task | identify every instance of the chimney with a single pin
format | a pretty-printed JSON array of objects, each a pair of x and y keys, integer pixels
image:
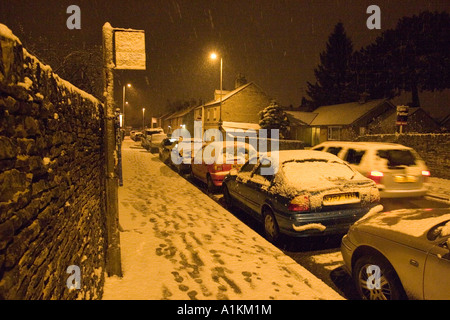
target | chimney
[{"x": 240, "y": 80}]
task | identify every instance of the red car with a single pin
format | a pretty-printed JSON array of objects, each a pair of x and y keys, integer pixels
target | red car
[{"x": 215, "y": 160}]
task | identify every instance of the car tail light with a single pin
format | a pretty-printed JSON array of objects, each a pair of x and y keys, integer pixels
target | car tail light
[
  {"x": 299, "y": 204},
  {"x": 376, "y": 176},
  {"x": 426, "y": 174}
]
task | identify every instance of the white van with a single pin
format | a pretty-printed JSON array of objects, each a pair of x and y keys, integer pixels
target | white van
[{"x": 397, "y": 170}]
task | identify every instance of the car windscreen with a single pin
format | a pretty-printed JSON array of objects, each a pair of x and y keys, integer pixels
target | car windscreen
[
  {"x": 299, "y": 172},
  {"x": 398, "y": 157}
]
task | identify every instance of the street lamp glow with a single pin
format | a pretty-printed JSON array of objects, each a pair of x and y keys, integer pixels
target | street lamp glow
[
  {"x": 129, "y": 85},
  {"x": 214, "y": 57}
]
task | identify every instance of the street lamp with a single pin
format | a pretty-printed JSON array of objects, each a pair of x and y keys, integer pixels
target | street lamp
[
  {"x": 123, "y": 102},
  {"x": 213, "y": 56},
  {"x": 143, "y": 119}
]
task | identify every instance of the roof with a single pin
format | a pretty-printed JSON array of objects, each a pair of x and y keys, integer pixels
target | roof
[
  {"x": 343, "y": 114},
  {"x": 230, "y": 94},
  {"x": 301, "y": 116},
  {"x": 180, "y": 113}
]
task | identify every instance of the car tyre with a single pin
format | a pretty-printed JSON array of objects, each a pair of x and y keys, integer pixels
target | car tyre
[
  {"x": 210, "y": 185},
  {"x": 227, "y": 197},
  {"x": 271, "y": 229},
  {"x": 390, "y": 285}
]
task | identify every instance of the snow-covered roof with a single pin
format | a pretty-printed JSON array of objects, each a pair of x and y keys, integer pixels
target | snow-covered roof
[
  {"x": 305, "y": 117},
  {"x": 229, "y": 94},
  {"x": 343, "y": 114}
]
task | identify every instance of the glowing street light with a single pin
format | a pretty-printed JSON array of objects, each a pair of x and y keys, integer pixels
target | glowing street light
[
  {"x": 143, "y": 119},
  {"x": 214, "y": 56},
  {"x": 124, "y": 102}
]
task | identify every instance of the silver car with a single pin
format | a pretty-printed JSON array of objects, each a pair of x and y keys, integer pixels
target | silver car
[{"x": 400, "y": 254}]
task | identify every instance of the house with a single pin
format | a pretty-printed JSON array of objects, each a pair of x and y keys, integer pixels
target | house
[
  {"x": 300, "y": 122},
  {"x": 238, "y": 109},
  {"x": 418, "y": 121},
  {"x": 336, "y": 122},
  {"x": 179, "y": 119}
]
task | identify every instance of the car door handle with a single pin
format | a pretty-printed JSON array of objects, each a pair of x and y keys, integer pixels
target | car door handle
[{"x": 413, "y": 262}]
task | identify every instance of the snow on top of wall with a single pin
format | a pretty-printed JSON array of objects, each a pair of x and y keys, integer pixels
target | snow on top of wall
[
  {"x": 27, "y": 83},
  {"x": 7, "y": 33}
]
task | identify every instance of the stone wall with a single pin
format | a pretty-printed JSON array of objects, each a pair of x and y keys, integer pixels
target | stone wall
[
  {"x": 433, "y": 148},
  {"x": 51, "y": 181}
]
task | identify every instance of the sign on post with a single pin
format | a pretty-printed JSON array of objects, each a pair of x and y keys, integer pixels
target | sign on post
[
  {"x": 129, "y": 49},
  {"x": 402, "y": 117}
]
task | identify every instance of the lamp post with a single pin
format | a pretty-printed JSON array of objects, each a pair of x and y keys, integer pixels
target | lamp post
[
  {"x": 143, "y": 119},
  {"x": 214, "y": 57},
  {"x": 123, "y": 104}
]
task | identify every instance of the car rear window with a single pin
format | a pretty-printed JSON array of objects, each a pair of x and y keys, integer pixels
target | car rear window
[
  {"x": 334, "y": 150},
  {"x": 300, "y": 172},
  {"x": 398, "y": 157}
]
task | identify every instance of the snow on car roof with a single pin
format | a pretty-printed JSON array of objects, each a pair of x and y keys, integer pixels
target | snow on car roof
[{"x": 412, "y": 222}]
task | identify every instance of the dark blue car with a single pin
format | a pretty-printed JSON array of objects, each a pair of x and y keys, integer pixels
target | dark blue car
[{"x": 300, "y": 193}]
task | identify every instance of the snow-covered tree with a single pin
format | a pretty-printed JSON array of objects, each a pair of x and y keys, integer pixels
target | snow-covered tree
[{"x": 274, "y": 117}]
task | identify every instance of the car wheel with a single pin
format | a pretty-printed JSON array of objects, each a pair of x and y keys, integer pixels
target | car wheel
[
  {"x": 376, "y": 279},
  {"x": 210, "y": 185},
  {"x": 271, "y": 229},
  {"x": 227, "y": 197}
]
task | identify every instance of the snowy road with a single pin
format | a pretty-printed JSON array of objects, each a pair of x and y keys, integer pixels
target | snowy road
[{"x": 178, "y": 243}]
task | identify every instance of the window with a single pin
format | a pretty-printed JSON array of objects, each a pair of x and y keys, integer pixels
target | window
[
  {"x": 319, "y": 148},
  {"x": 395, "y": 158},
  {"x": 354, "y": 156},
  {"x": 214, "y": 113},
  {"x": 334, "y": 133},
  {"x": 334, "y": 150}
]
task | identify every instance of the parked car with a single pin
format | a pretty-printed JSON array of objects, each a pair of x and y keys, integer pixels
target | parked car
[
  {"x": 165, "y": 149},
  {"x": 309, "y": 193},
  {"x": 397, "y": 170},
  {"x": 155, "y": 141},
  {"x": 215, "y": 160},
  {"x": 178, "y": 153},
  {"x": 409, "y": 250},
  {"x": 147, "y": 136}
]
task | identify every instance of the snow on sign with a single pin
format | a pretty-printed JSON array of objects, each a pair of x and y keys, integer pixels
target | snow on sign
[{"x": 129, "y": 48}]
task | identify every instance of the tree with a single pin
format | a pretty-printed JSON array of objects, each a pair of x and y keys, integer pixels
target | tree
[
  {"x": 274, "y": 117},
  {"x": 413, "y": 57},
  {"x": 334, "y": 77}
]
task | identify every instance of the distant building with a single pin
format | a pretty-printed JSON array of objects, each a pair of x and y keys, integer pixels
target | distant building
[
  {"x": 418, "y": 121},
  {"x": 336, "y": 122},
  {"x": 240, "y": 108}
]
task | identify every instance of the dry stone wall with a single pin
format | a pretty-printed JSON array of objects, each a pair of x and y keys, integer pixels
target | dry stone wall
[{"x": 51, "y": 181}]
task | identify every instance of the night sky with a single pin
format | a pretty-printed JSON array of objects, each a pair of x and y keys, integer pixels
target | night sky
[{"x": 274, "y": 43}]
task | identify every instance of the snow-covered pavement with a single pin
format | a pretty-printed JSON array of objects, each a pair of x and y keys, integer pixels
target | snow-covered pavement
[{"x": 177, "y": 243}]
